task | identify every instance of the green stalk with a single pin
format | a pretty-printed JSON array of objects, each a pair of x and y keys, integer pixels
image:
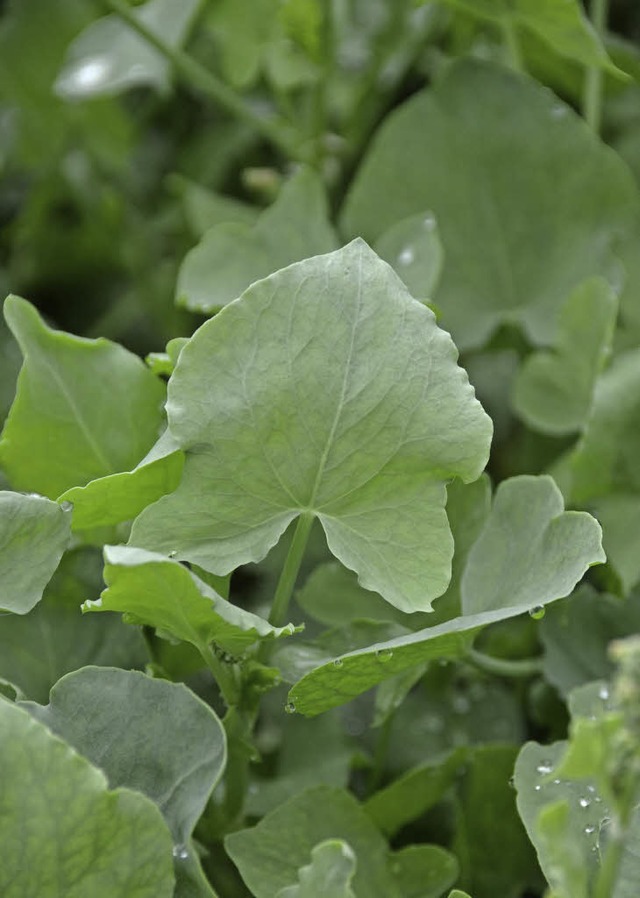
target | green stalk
[
  {"x": 502, "y": 667},
  {"x": 223, "y": 674},
  {"x": 594, "y": 76},
  {"x": 195, "y": 74},
  {"x": 512, "y": 44},
  {"x": 290, "y": 570}
]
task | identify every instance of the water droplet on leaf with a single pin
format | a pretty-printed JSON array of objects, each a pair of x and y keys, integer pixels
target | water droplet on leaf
[
  {"x": 589, "y": 830},
  {"x": 544, "y": 767},
  {"x": 603, "y": 693},
  {"x": 66, "y": 505},
  {"x": 180, "y": 852},
  {"x": 406, "y": 256},
  {"x": 537, "y": 613},
  {"x": 338, "y": 662},
  {"x": 384, "y": 655},
  {"x": 290, "y": 708},
  {"x": 584, "y": 802},
  {"x": 90, "y": 74}
]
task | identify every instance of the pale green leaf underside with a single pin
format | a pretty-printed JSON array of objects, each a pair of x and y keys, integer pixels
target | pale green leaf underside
[
  {"x": 109, "y": 57},
  {"x": 233, "y": 255},
  {"x": 64, "y": 834},
  {"x": 34, "y": 533},
  {"x": 122, "y": 496},
  {"x": 554, "y": 390},
  {"x": 530, "y": 551},
  {"x": 325, "y": 389},
  {"x": 562, "y": 25},
  {"x": 329, "y": 874},
  {"x": 159, "y": 592},
  {"x": 149, "y": 735},
  {"x": 83, "y": 408},
  {"x": 493, "y": 155}
]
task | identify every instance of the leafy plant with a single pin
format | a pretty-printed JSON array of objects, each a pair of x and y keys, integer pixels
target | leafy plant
[{"x": 306, "y": 604}]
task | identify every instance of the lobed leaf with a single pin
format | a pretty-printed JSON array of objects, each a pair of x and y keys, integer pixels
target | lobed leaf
[
  {"x": 282, "y": 412},
  {"x": 329, "y": 874}
]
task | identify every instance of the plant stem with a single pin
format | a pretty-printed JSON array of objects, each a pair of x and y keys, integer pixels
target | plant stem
[
  {"x": 594, "y": 76},
  {"x": 380, "y": 754},
  {"x": 277, "y": 132},
  {"x": 290, "y": 570},
  {"x": 503, "y": 667},
  {"x": 512, "y": 45},
  {"x": 223, "y": 674}
]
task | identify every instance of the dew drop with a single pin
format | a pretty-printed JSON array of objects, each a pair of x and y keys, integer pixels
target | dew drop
[
  {"x": 589, "y": 829},
  {"x": 537, "y": 788},
  {"x": 559, "y": 111},
  {"x": 180, "y": 852},
  {"x": 90, "y": 74},
  {"x": 172, "y": 553},
  {"x": 338, "y": 662},
  {"x": 591, "y": 789},
  {"x": 384, "y": 655},
  {"x": 429, "y": 222},
  {"x": 556, "y": 782},
  {"x": 406, "y": 257},
  {"x": 603, "y": 693},
  {"x": 290, "y": 708},
  {"x": 584, "y": 802},
  {"x": 66, "y": 505},
  {"x": 537, "y": 613},
  {"x": 544, "y": 767}
]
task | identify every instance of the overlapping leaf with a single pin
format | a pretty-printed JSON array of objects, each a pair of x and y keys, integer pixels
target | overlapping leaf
[
  {"x": 494, "y": 156},
  {"x": 83, "y": 409},
  {"x": 284, "y": 410},
  {"x": 329, "y": 874}
]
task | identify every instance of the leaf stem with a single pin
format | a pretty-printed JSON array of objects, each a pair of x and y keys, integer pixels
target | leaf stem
[
  {"x": 279, "y": 133},
  {"x": 287, "y": 580},
  {"x": 503, "y": 667},
  {"x": 594, "y": 76},
  {"x": 223, "y": 674},
  {"x": 512, "y": 45}
]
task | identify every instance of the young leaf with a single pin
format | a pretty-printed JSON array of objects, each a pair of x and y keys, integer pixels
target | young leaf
[
  {"x": 109, "y": 57},
  {"x": 84, "y": 408},
  {"x": 65, "y": 834},
  {"x": 493, "y": 154},
  {"x": 120, "y": 497},
  {"x": 233, "y": 255},
  {"x": 554, "y": 390},
  {"x": 152, "y": 736},
  {"x": 34, "y": 533},
  {"x": 329, "y": 874},
  {"x": 282, "y": 413},
  {"x": 412, "y": 246},
  {"x": 159, "y": 592},
  {"x": 530, "y": 551}
]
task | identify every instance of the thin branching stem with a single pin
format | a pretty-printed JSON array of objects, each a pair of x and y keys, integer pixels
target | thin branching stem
[{"x": 594, "y": 76}]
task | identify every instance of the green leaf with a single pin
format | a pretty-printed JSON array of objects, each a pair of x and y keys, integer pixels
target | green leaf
[
  {"x": 607, "y": 459},
  {"x": 159, "y": 592},
  {"x": 280, "y": 386},
  {"x": 576, "y": 634},
  {"x": 493, "y": 155},
  {"x": 619, "y": 517},
  {"x": 423, "y": 871},
  {"x": 109, "y": 57},
  {"x": 413, "y": 793},
  {"x": 329, "y": 874},
  {"x": 34, "y": 534},
  {"x": 152, "y": 736},
  {"x": 563, "y": 26},
  {"x": 40, "y": 647},
  {"x": 240, "y": 29},
  {"x": 530, "y": 551},
  {"x": 490, "y": 839},
  {"x": 204, "y": 208},
  {"x": 567, "y": 871},
  {"x": 412, "y": 246},
  {"x": 120, "y": 497},
  {"x": 456, "y": 893},
  {"x": 233, "y": 255},
  {"x": 84, "y": 408},
  {"x": 554, "y": 390},
  {"x": 65, "y": 834}
]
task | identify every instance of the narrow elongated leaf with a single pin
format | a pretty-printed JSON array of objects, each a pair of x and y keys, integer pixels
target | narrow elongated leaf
[
  {"x": 233, "y": 255},
  {"x": 84, "y": 408},
  {"x": 34, "y": 533},
  {"x": 154, "y": 590},
  {"x": 530, "y": 550},
  {"x": 109, "y": 57},
  {"x": 282, "y": 412},
  {"x": 120, "y": 497},
  {"x": 493, "y": 154},
  {"x": 65, "y": 834},
  {"x": 329, "y": 874},
  {"x": 554, "y": 390},
  {"x": 149, "y": 735}
]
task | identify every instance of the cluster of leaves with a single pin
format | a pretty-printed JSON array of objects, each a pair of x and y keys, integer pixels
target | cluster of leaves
[{"x": 274, "y": 599}]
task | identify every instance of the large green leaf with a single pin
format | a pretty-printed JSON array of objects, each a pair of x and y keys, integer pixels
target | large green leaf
[
  {"x": 530, "y": 550},
  {"x": 329, "y": 874},
  {"x": 109, "y": 56},
  {"x": 233, "y": 255},
  {"x": 120, "y": 497},
  {"x": 65, "y": 834},
  {"x": 34, "y": 533},
  {"x": 282, "y": 412},
  {"x": 562, "y": 25},
  {"x": 412, "y": 246},
  {"x": 554, "y": 390},
  {"x": 495, "y": 156},
  {"x": 38, "y": 648},
  {"x": 84, "y": 408},
  {"x": 149, "y": 735},
  {"x": 160, "y": 592}
]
